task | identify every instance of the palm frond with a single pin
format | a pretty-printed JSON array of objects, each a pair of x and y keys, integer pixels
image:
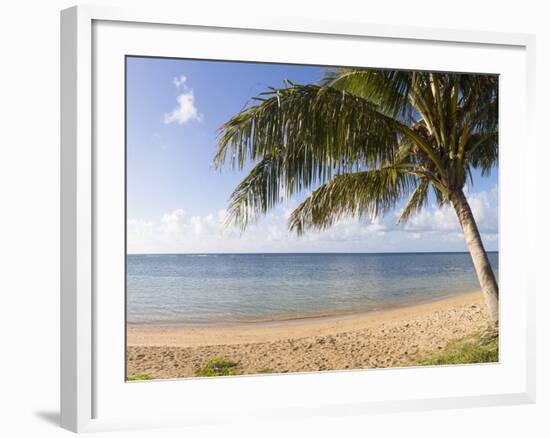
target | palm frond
[
  {"x": 482, "y": 151},
  {"x": 363, "y": 194},
  {"x": 336, "y": 130},
  {"x": 258, "y": 192},
  {"x": 389, "y": 89},
  {"x": 417, "y": 201}
]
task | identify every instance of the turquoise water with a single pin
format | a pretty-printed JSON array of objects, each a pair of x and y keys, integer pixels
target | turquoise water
[{"x": 232, "y": 288}]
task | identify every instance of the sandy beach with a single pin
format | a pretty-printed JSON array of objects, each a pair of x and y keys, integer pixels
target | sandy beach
[{"x": 388, "y": 338}]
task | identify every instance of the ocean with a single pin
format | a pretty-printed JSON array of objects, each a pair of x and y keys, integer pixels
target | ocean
[{"x": 218, "y": 289}]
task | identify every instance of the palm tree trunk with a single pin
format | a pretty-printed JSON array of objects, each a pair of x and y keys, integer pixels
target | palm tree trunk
[{"x": 482, "y": 266}]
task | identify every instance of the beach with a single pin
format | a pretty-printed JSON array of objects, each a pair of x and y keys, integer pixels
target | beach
[{"x": 394, "y": 337}]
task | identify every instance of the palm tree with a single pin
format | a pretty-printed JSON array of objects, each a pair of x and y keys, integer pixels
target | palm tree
[{"x": 363, "y": 140}]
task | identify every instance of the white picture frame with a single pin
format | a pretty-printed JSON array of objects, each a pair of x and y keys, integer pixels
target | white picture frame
[{"x": 85, "y": 174}]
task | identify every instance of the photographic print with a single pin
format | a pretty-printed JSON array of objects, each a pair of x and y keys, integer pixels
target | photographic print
[{"x": 297, "y": 218}]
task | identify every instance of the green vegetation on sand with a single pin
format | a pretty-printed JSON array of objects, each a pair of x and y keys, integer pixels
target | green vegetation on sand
[
  {"x": 217, "y": 366},
  {"x": 479, "y": 348},
  {"x": 139, "y": 377}
]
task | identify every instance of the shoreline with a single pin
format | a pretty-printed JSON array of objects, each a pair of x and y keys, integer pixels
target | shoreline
[
  {"x": 389, "y": 338},
  {"x": 360, "y": 311},
  {"x": 196, "y": 335}
]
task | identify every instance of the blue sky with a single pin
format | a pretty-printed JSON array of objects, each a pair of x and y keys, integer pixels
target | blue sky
[{"x": 176, "y": 199}]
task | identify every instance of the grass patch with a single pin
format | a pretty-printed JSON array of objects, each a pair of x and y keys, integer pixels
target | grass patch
[
  {"x": 265, "y": 371},
  {"x": 479, "y": 348},
  {"x": 217, "y": 366},
  {"x": 139, "y": 377}
]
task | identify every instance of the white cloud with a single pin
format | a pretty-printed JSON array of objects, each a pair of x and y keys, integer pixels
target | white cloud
[
  {"x": 185, "y": 111},
  {"x": 179, "y": 231},
  {"x": 179, "y": 81},
  {"x": 434, "y": 229},
  {"x": 436, "y": 219}
]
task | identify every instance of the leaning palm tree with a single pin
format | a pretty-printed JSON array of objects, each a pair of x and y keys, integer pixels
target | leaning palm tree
[{"x": 362, "y": 140}]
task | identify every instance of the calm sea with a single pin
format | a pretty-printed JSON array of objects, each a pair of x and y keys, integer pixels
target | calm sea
[{"x": 231, "y": 288}]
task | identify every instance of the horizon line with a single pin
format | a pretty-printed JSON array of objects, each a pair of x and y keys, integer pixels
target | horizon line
[{"x": 307, "y": 252}]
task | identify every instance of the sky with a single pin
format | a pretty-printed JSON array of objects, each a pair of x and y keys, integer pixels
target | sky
[{"x": 176, "y": 200}]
